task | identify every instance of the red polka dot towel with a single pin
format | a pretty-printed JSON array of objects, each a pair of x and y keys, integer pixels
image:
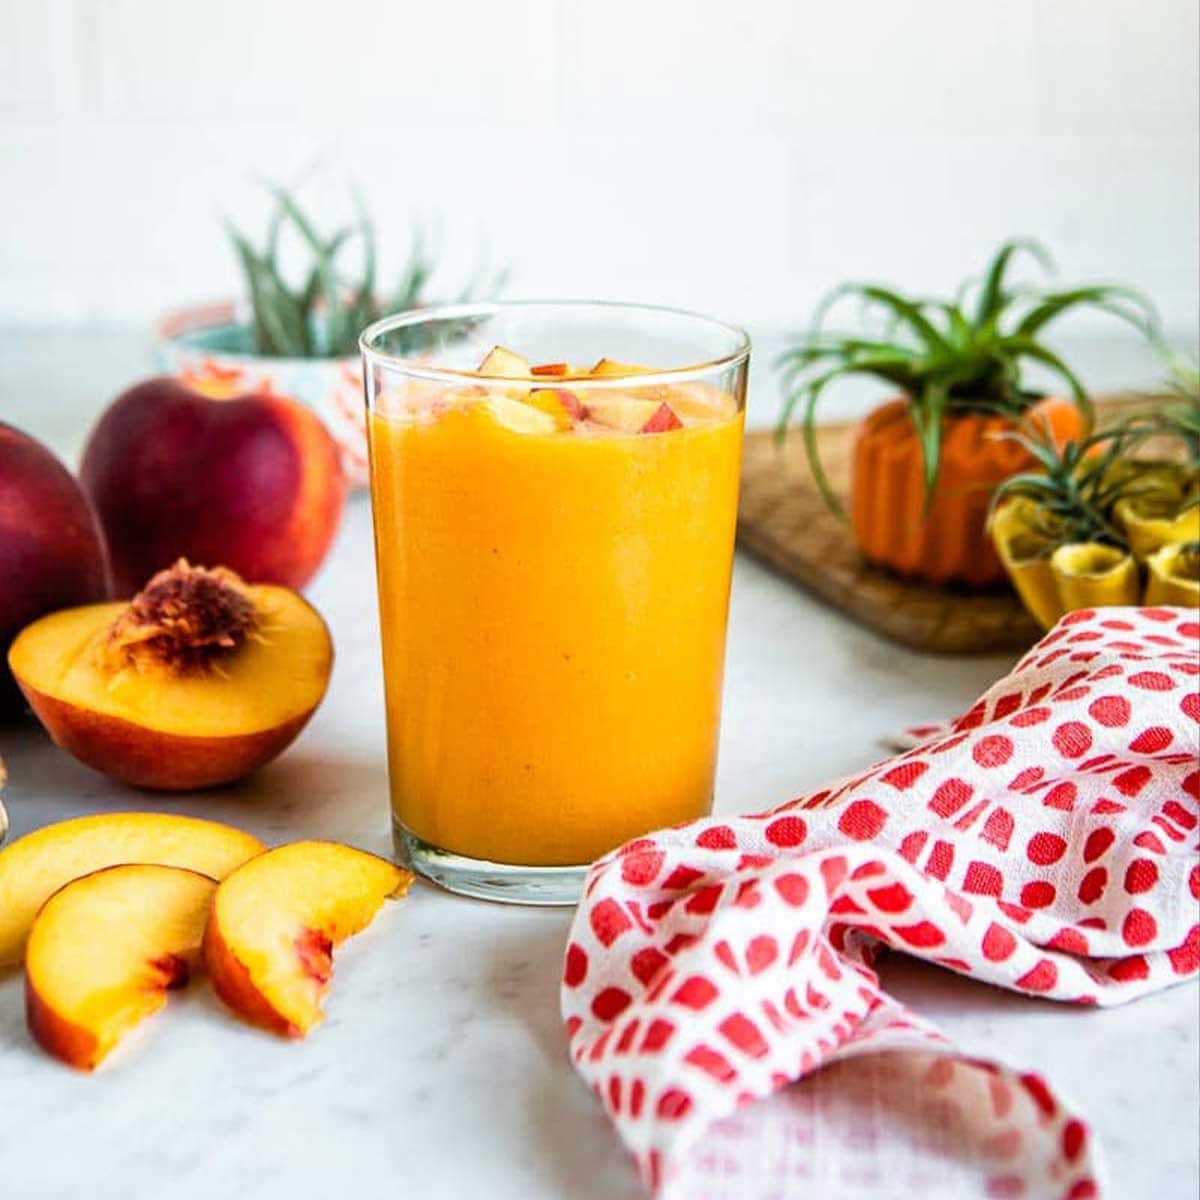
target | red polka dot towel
[{"x": 1045, "y": 842}]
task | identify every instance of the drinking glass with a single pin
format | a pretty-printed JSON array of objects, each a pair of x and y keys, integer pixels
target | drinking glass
[{"x": 554, "y": 536}]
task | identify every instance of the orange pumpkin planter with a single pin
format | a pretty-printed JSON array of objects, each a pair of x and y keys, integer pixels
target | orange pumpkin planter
[
  {"x": 925, "y": 465},
  {"x": 944, "y": 540}
]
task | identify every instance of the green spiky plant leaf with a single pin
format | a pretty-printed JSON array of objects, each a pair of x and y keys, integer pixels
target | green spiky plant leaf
[
  {"x": 948, "y": 356},
  {"x": 322, "y": 316},
  {"x": 1079, "y": 482},
  {"x": 1181, "y": 417}
]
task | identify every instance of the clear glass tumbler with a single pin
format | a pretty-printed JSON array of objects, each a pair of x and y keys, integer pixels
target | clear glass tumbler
[{"x": 554, "y": 489}]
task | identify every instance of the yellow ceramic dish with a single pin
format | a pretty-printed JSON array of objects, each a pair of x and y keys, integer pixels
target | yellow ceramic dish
[
  {"x": 1156, "y": 520},
  {"x": 1174, "y": 576},
  {"x": 1092, "y": 575},
  {"x": 1025, "y": 552}
]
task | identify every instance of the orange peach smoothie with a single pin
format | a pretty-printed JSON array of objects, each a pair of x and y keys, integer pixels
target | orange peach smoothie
[{"x": 553, "y": 608}]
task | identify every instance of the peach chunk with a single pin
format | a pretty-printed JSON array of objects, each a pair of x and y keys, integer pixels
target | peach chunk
[
  {"x": 559, "y": 370},
  {"x": 623, "y": 412},
  {"x": 609, "y": 368},
  {"x": 103, "y": 952},
  {"x": 34, "y": 867},
  {"x": 519, "y": 416},
  {"x": 701, "y": 403},
  {"x": 559, "y": 403},
  {"x": 275, "y": 921},
  {"x": 663, "y": 421},
  {"x": 501, "y": 363}
]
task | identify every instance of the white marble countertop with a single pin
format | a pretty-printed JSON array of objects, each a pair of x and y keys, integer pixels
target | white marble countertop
[{"x": 441, "y": 1068}]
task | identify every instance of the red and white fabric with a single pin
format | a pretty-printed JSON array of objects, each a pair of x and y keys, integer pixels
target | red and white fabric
[{"x": 1045, "y": 842}]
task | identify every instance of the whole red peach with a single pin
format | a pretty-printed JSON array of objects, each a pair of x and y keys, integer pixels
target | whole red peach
[
  {"x": 52, "y": 552},
  {"x": 253, "y": 483}
]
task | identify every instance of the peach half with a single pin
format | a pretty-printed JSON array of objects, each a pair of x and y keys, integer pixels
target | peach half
[
  {"x": 275, "y": 922},
  {"x": 35, "y": 866},
  {"x": 103, "y": 952},
  {"x": 199, "y": 680}
]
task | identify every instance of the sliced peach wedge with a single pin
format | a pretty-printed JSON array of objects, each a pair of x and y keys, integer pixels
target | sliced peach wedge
[
  {"x": 35, "y": 866},
  {"x": 103, "y": 952},
  {"x": 276, "y": 920}
]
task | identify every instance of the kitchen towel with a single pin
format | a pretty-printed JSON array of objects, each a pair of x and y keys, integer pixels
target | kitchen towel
[{"x": 1045, "y": 842}]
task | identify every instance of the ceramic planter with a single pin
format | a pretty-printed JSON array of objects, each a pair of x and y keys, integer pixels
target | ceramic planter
[
  {"x": 1025, "y": 553},
  {"x": 1092, "y": 575},
  {"x": 1174, "y": 576},
  {"x": 941, "y": 539}
]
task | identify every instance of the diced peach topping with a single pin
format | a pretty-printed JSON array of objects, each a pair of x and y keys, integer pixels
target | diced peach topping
[
  {"x": 520, "y": 416},
  {"x": 532, "y": 409},
  {"x": 663, "y": 421},
  {"x": 623, "y": 412},
  {"x": 501, "y": 363},
  {"x": 609, "y": 368},
  {"x": 559, "y": 403}
]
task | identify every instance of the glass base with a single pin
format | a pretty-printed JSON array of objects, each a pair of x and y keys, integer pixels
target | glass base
[{"x": 485, "y": 880}]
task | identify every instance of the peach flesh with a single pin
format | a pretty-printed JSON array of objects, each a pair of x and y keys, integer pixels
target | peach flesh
[
  {"x": 139, "y": 701},
  {"x": 268, "y": 946},
  {"x": 105, "y": 949},
  {"x": 663, "y": 421},
  {"x": 35, "y": 866}
]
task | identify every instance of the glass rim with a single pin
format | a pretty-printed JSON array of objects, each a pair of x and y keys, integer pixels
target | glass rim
[{"x": 457, "y": 312}]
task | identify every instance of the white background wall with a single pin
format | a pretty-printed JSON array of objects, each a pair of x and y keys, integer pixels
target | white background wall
[{"x": 732, "y": 155}]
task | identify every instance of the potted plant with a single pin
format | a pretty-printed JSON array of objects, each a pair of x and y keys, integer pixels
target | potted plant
[
  {"x": 925, "y": 463},
  {"x": 1110, "y": 519},
  {"x": 301, "y": 338}
]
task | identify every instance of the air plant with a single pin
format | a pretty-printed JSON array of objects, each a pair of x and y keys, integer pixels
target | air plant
[
  {"x": 964, "y": 355},
  {"x": 1180, "y": 418},
  {"x": 1074, "y": 493},
  {"x": 322, "y": 316}
]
